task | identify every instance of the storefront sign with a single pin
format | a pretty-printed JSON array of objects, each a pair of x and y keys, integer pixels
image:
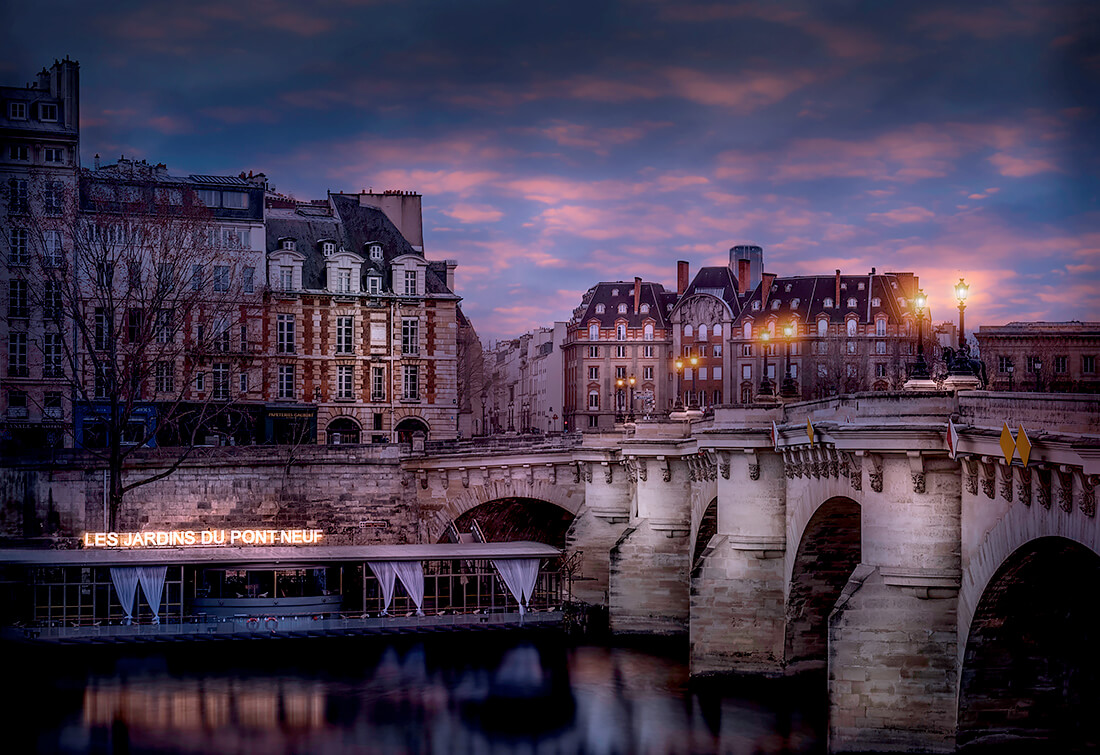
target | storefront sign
[{"x": 171, "y": 538}]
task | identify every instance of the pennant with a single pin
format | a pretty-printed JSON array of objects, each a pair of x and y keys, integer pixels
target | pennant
[
  {"x": 1008, "y": 444},
  {"x": 775, "y": 436},
  {"x": 1023, "y": 445},
  {"x": 810, "y": 432},
  {"x": 952, "y": 439}
]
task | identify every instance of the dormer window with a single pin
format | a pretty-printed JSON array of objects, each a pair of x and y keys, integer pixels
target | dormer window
[
  {"x": 851, "y": 302},
  {"x": 843, "y": 286},
  {"x": 375, "y": 253},
  {"x": 343, "y": 280},
  {"x": 600, "y": 309},
  {"x": 286, "y": 278},
  {"x": 902, "y": 302},
  {"x": 776, "y": 304},
  {"x": 794, "y": 303},
  {"x": 410, "y": 283},
  {"x": 328, "y": 248},
  {"x": 288, "y": 245},
  {"x": 876, "y": 302},
  {"x": 787, "y": 288},
  {"x": 614, "y": 292},
  {"x": 828, "y": 302},
  {"x": 860, "y": 286},
  {"x": 374, "y": 284},
  {"x": 756, "y": 306},
  {"x": 622, "y": 309},
  {"x": 644, "y": 309}
]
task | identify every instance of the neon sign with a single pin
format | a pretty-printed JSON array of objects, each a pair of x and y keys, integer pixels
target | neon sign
[{"x": 184, "y": 538}]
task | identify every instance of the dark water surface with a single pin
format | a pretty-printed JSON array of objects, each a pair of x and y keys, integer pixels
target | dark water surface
[{"x": 484, "y": 693}]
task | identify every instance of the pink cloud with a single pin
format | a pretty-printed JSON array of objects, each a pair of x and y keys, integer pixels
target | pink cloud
[
  {"x": 903, "y": 215},
  {"x": 1018, "y": 167},
  {"x": 459, "y": 182},
  {"x": 167, "y": 124},
  {"x": 469, "y": 213},
  {"x": 745, "y": 91}
]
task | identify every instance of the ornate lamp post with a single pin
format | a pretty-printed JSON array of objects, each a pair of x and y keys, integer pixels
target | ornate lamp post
[
  {"x": 619, "y": 400},
  {"x": 920, "y": 369},
  {"x": 961, "y": 364},
  {"x": 679, "y": 405},
  {"x": 694, "y": 374},
  {"x": 788, "y": 389},
  {"x": 630, "y": 411},
  {"x": 765, "y": 384}
]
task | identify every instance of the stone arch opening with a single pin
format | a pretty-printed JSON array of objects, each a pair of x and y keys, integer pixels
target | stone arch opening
[
  {"x": 708, "y": 526},
  {"x": 830, "y": 549},
  {"x": 342, "y": 430},
  {"x": 511, "y": 519},
  {"x": 1031, "y": 668},
  {"x": 406, "y": 427}
]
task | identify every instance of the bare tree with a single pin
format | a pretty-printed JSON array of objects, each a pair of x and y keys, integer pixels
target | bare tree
[{"x": 141, "y": 305}]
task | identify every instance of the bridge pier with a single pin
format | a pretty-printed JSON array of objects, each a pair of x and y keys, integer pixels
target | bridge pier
[
  {"x": 598, "y": 526},
  {"x": 650, "y": 563},
  {"x": 737, "y": 595}
]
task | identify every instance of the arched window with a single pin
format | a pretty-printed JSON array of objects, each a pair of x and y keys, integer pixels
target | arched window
[
  {"x": 748, "y": 331},
  {"x": 622, "y": 309},
  {"x": 776, "y": 304},
  {"x": 620, "y": 332},
  {"x": 644, "y": 309},
  {"x": 594, "y": 332},
  {"x": 771, "y": 328},
  {"x": 600, "y": 309},
  {"x": 688, "y": 331},
  {"x": 822, "y": 327},
  {"x": 718, "y": 330},
  {"x": 342, "y": 430},
  {"x": 851, "y": 302},
  {"x": 851, "y": 326},
  {"x": 647, "y": 332},
  {"x": 702, "y": 333},
  {"x": 614, "y": 292},
  {"x": 880, "y": 326},
  {"x": 756, "y": 305},
  {"x": 375, "y": 253},
  {"x": 876, "y": 302},
  {"x": 828, "y": 303}
]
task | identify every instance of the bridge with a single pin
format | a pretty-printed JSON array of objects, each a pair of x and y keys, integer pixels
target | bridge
[{"x": 946, "y": 594}]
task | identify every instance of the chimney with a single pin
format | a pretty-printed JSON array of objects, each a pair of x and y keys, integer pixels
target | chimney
[
  {"x": 681, "y": 277},
  {"x": 451, "y": 265},
  {"x": 97, "y": 161},
  {"x": 743, "y": 268},
  {"x": 766, "y": 281},
  {"x": 637, "y": 293},
  {"x": 836, "y": 299}
]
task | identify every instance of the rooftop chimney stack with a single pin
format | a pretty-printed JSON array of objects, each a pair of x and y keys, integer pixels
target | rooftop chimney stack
[
  {"x": 637, "y": 293},
  {"x": 743, "y": 276},
  {"x": 836, "y": 301},
  {"x": 755, "y": 255},
  {"x": 681, "y": 277}
]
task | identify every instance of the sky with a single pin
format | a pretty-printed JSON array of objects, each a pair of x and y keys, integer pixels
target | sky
[{"x": 561, "y": 144}]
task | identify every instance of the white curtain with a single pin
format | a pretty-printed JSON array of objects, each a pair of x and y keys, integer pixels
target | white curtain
[
  {"x": 411, "y": 574},
  {"x": 152, "y": 584},
  {"x": 125, "y": 580},
  {"x": 520, "y": 574},
  {"x": 384, "y": 572}
]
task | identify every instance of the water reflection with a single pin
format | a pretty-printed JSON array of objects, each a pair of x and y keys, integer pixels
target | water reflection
[{"x": 499, "y": 694}]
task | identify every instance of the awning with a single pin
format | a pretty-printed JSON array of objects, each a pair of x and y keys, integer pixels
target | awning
[{"x": 274, "y": 555}]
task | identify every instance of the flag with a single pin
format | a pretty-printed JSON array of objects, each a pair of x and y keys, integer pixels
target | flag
[{"x": 952, "y": 439}]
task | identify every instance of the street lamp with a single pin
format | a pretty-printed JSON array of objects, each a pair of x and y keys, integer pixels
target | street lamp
[
  {"x": 920, "y": 369},
  {"x": 765, "y": 384},
  {"x": 694, "y": 374},
  {"x": 630, "y": 411},
  {"x": 679, "y": 405},
  {"x": 619, "y": 399},
  {"x": 961, "y": 365},
  {"x": 788, "y": 389}
]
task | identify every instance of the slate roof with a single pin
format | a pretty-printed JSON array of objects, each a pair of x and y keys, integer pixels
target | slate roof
[
  {"x": 653, "y": 294},
  {"x": 716, "y": 281},
  {"x": 811, "y": 292}
]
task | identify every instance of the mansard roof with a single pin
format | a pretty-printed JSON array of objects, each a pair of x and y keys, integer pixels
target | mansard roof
[
  {"x": 895, "y": 292},
  {"x": 715, "y": 281},
  {"x": 652, "y": 294}
]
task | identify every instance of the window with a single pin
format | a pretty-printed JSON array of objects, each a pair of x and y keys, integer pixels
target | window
[
  {"x": 688, "y": 331},
  {"x": 647, "y": 352},
  {"x": 196, "y": 277},
  {"x": 1061, "y": 365},
  {"x": 822, "y": 328},
  {"x": 328, "y": 248},
  {"x": 717, "y": 349},
  {"x": 593, "y": 352},
  {"x": 827, "y": 303},
  {"x": 716, "y": 373},
  {"x": 286, "y": 278},
  {"x": 746, "y": 349},
  {"x": 17, "y": 195},
  {"x": 344, "y": 330},
  {"x": 620, "y": 352},
  {"x": 343, "y": 280},
  {"x": 102, "y": 328},
  {"x": 377, "y": 383},
  {"x": 51, "y": 406},
  {"x": 17, "y": 298},
  {"x": 776, "y": 304},
  {"x": 644, "y": 309},
  {"x": 410, "y": 336},
  {"x": 593, "y": 400},
  {"x": 794, "y": 371},
  {"x": 600, "y": 309},
  {"x": 47, "y": 112},
  {"x": 850, "y": 370},
  {"x": 614, "y": 292},
  {"x": 18, "y": 254},
  {"x": 880, "y": 369},
  {"x": 702, "y": 333},
  {"x": 248, "y": 280},
  {"x": 236, "y": 200},
  {"x": 209, "y": 197},
  {"x": 880, "y": 347},
  {"x": 18, "y": 152},
  {"x": 243, "y": 381},
  {"x": 17, "y": 404},
  {"x": 410, "y": 382},
  {"x": 284, "y": 332},
  {"x": 593, "y": 373},
  {"x": 17, "y": 354},
  {"x": 593, "y": 332},
  {"x": 51, "y": 351},
  {"x": 345, "y": 378},
  {"x": 880, "y": 327},
  {"x": 134, "y": 321},
  {"x": 288, "y": 244},
  {"x": 747, "y": 333},
  {"x": 165, "y": 378},
  {"x": 236, "y": 238},
  {"x": 620, "y": 373},
  {"x": 851, "y": 327},
  {"x": 851, "y": 347},
  {"x": 53, "y": 155},
  {"x": 200, "y": 382},
  {"x": 851, "y": 301},
  {"x": 647, "y": 373},
  {"x": 410, "y": 283},
  {"x": 822, "y": 371},
  {"x": 221, "y": 277},
  {"x": 702, "y": 373},
  {"x": 702, "y": 350},
  {"x": 17, "y": 110},
  {"x": 1034, "y": 364},
  {"x": 746, "y": 372},
  {"x": 221, "y": 342},
  {"x": 620, "y": 332},
  {"x": 756, "y": 306},
  {"x": 221, "y": 381},
  {"x": 164, "y": 326},
  {"x": 1004, "y": 364},
  {"x": 876, "y": 302},
  {"x": 244, "y": 338},
  {"x": 1088, "y": 364},
  {"x": 286, "y": 381},
  {"x": 622, "y": 309},
  {"x": 375, "y": 253},
  {"x": 374, "y": 285}
]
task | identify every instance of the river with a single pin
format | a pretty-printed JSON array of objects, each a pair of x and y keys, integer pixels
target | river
[{"x": 530, "y": 692}]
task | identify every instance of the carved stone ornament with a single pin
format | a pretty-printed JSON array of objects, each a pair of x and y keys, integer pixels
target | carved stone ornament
[
  {"x": 788, "y": 468},
  {"x": 971, "y": 474},
  {"x": 444, "y": 478},
  {"x": 856, "y": 479},
  {"x": 1065, "y": 491},
  {"x": 834, "y": 467},
  {"x": 608, "y": 474},
  {"x": 1023, "y": 486},
  {"x": 643, "y": 472},
  {"x": 989, "y": 479},
  {"x": 1088, "y": 494},
  {"x": 691, "y": 465},
  {"x": 1006, "y": 482},
  {"x": 424, "y": 481},
  {"x": 754, "y": 471},
  {"x": 918, "y": 482},
  {"x": 1045, "y": 484},
  {"x": 845, "y": 469},
  {"x": 666, "y": 473},
  {"x": 724, "y": 466},
  {"x": 876, "y": 473},
  {"x": 465, "y": 478}
]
